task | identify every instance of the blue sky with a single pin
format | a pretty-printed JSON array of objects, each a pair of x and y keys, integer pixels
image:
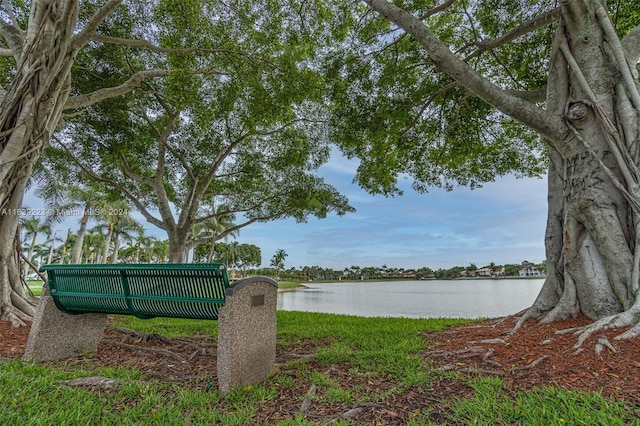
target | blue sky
[{"x": 503, "y": 222}]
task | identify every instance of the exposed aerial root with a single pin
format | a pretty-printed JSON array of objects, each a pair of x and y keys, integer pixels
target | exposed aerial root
[
  {"x": 14, "y": 319},
  {"x": 544, "y": 314},
  {"x": 137, "y": 348},
  {"x": 18, "y": 313},
  {"x": 603, "y": 343},
  {"x": 621, "y": 320},
  {"x": 527, "y": 314},
  {"x": 630, "y": 333}
]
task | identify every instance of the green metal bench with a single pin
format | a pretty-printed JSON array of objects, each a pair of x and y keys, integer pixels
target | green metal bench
[
  {"x": 144, "y": 290},
  {"x": 245, "y": 311}
]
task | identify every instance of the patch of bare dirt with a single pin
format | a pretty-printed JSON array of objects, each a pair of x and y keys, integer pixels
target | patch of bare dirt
[{"x": 534, "y": 356}]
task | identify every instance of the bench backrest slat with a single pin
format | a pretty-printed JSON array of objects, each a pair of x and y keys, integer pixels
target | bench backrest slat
[{"x": 146, "y": 291}]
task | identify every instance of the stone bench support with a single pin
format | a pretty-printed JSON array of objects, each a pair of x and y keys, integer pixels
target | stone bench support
[
  {"x": 247, "y": 333},
  {"x": 55, "y": 335}
]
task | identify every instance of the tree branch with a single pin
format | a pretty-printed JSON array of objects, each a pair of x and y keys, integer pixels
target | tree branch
[
  {"x": 126, "y": 168},
  {"x": 112, "y": 92},
  {"x": 9, "y": 11},
  {"x": 148, "y": 45},
  {"x": 547, "y": 125},
  {"x": 162, "y": 139},
  {"x": 558, "y": 79},
  {"x": 223, "y": 234},
  {"x": 425, "y": 105},
  {"x": 190, "y": 207},
  {"x": 631, "y": 45},
  {"x": 619, "y": 53},
  {"x": 14, "y": 37},
  {"x": 217, "y": 162},
  {"x": 182, "y": 159},
  {"x": 427, "y": 14},
  {"x": 132, "y": 83},
  {"x": 84, "y": 36},
  {"x": 141, "y": 208},
  {"x": 221, "y": 157},
  {"x": 220, "y": 236},
  {"x": 534, "y": 96},
  {"x": 158, "y": 178},
  {"x": 437, "y": 9},
  {"x": 532, "y": 25}
]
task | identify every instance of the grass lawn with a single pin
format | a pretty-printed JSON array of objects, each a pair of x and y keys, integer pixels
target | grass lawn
[
  {"x": 286, "y": 285},
  {"x": 356, "y": 362}
]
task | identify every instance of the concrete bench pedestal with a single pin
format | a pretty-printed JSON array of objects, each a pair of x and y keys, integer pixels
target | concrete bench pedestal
[
  {"x": 56, "y": 335},
  {"x": 247, "y": 333}
]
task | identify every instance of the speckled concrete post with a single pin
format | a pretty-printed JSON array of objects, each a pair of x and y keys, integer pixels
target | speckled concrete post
[
  {"x": 55, "y": 335},
  {"x": 247, "y": 333}
]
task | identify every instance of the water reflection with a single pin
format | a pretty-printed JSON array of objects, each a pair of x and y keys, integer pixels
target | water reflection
[{"x": 415, "y": 299}]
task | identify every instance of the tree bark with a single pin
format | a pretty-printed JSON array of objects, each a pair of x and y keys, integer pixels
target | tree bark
[
  {"x": 178, "y": 245},
  {"x": 592, "y": 226},
  {"x": 31, "y": 109},
  {"x": 212, "y": 250},
  {"x": 29, "y": 113},
  {"x": 15, "y": 305}
]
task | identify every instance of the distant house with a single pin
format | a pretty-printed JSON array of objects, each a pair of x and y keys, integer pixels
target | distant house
[
  {"x": 530, "y": 271},
  {"x": 484, "y": 272}
]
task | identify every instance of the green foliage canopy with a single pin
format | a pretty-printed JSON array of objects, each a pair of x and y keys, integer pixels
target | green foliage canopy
[
  {"x": 239, "y": 120},
  {"x": 395, "y": 111}
]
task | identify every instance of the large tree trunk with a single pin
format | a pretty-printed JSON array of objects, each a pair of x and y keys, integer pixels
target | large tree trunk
[
  {"x": 593, "y": 222},
  {"x": 178, "y": 246},
  {"x": 15, "y": 305},
  {"x": 29, "y": 113}
]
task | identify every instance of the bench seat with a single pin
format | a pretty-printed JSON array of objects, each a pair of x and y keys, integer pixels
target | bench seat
[{"x": 144, "y": 290}]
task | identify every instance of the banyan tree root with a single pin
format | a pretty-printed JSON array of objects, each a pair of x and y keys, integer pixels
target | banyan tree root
[{"x": 160, "y": 351}]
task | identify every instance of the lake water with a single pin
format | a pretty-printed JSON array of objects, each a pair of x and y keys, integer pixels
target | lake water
[{"x": 415, "y": 299}]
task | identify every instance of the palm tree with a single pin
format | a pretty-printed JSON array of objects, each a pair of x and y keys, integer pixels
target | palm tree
[
  {"x": 51, "y": 240},
  {"x": 124, "y": 229},
  {"x": 277, "y": 261},
  {"x": 91, "y": 242},
  {"x": 160, "y": 251},
  {"x": 218, "y": 222},
  {"x": 65, "y": 200},
  {"x": 493, "y": 268},
  {"x": 40, "y": 252},
  {"x": 32, "y": 228},
  {"x": 232, "y": 252},
  {"x": 143, "y": 245},
  {"x": 113, "y": 217},
  {"x": 68, "y": 242}
]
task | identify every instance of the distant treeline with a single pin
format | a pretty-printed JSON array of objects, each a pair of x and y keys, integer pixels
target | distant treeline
[{"x": 307, "y": 273}]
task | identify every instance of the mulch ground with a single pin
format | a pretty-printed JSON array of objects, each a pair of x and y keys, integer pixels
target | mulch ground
[{"x": 534, "y": 356}]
